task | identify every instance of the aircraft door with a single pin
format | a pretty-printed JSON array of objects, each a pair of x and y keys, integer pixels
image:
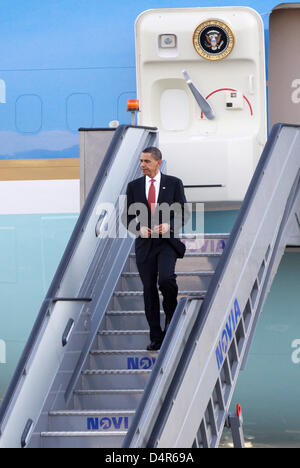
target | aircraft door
[{"x": 201, "y": 81}]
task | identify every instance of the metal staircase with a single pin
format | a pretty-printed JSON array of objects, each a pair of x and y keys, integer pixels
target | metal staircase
[
  {"x": 85, "y": 379},
  {"x": 118, "y": 366}
]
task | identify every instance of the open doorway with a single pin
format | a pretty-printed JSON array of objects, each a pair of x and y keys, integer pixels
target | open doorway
[{"x": 284, "y": 64}]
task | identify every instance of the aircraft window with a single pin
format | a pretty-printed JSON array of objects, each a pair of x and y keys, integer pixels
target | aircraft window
[
  {"x": 29, "y": 110},
  {"x": 80, "y": 111}
]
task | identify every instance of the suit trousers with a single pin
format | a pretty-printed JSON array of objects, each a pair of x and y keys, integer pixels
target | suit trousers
[{"x": 158, "y": 269}]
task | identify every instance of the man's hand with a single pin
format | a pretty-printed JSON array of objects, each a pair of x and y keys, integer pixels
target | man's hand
[
  {"x": 145, "y": 231},
  {"x": 161, "y": 228}
]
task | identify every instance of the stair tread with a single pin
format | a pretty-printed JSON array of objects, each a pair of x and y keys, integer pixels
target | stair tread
[
  {"x": 115, "y": 371},
  {"x": 82, "y": 433},
  {"x": 184, "y": 273},
  {"x": 203, "y": 254},
  {"x": 122, "y": 332},
  {"x": 140, "y": 293},
  {"x": 90, "y": 412},
  {"x": 121, "y": 351},
  {"x": 195, "y": 254},
  {"x": 127, "y": 312},
  {"x": 110, "y": 391},
  {"x": 205, "y": 235}
]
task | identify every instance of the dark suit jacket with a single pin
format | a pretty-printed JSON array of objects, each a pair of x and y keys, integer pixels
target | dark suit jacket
[{"x": 137, "y": 213}]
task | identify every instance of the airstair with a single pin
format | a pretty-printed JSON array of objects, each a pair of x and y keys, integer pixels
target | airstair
[
  {"x": 85, "y": 379},
  {"x": 118, "y": 367}
]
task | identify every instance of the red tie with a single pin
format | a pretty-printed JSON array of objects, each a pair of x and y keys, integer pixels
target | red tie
[{"x": 151, "y": 197}]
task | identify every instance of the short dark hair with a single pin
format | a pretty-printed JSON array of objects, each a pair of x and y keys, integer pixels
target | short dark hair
[{"x": 156, "y": 153}]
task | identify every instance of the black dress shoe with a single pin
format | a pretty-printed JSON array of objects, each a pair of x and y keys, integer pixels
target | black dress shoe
[{"x": 154, "y": 346}]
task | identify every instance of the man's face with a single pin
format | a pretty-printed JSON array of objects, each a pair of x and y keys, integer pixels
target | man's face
[{"x": 149, "y": 165}]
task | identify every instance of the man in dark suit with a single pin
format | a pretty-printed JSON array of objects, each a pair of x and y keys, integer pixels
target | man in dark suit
[{"x": 155, "y": 212}]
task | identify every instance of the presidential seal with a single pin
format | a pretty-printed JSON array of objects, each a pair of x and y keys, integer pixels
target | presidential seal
[{"x": 213, "y": 40}]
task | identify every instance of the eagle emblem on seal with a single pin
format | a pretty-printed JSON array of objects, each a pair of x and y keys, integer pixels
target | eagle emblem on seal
[{"x": 213, "y": 40}]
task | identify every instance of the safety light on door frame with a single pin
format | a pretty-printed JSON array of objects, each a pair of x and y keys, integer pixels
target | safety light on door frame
[{"x": 133, "y": 106}]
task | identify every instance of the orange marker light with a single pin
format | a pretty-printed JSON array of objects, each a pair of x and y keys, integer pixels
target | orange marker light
[{"x": 133, "y": 105}]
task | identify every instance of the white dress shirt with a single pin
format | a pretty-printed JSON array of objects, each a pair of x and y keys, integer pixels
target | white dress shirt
[{"x": 156, "y": 185}]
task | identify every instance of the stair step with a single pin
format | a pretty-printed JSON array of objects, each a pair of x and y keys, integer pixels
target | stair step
[
  {"x": 121, "y": 339},
  {"x": 205, "y": 245},
  {"x": 192, "y": 261},
  {"x": 195, "y": 261},
  {"x": 92, "y": 420},
  {"x": 134, "y": 300},
  {"x": 122, "y": 359},
  {"x": 114, "y": 399},
  {"x": 128, "y": 319},
  {"x": 181, "y": 273},
  {"x": 186, "y": 280},
  {"x": 112, "y": 379},
  {"x": 194, "y": 255},
  {"x": 205, "y": 235},
  {"x": 140, "y": 293},
  {"x": 83, "y": 439}
]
